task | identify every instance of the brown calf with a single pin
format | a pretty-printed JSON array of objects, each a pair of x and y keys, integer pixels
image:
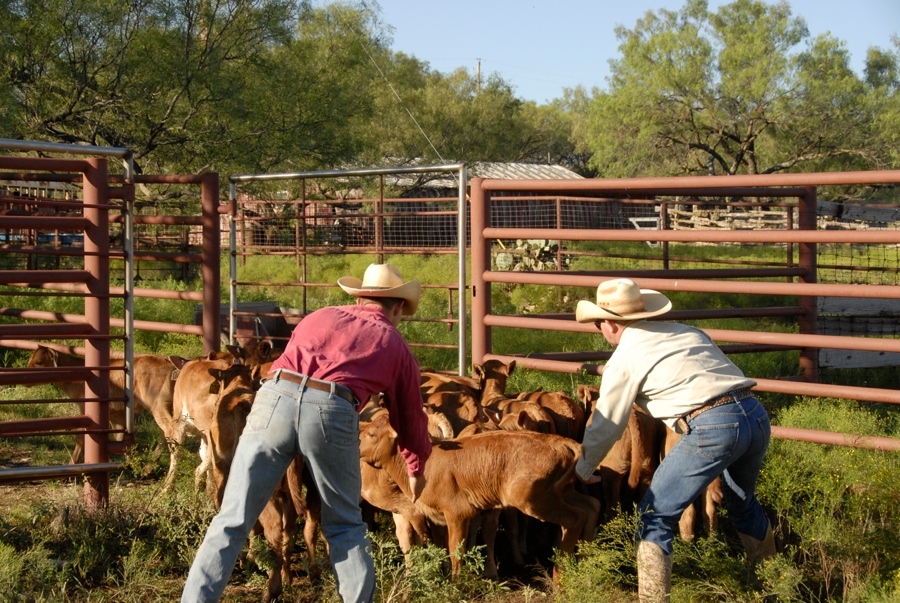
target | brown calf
[
  {"x": 193, "y": 405},
  {"x": 532, "y": 472},
  {"x": 629, "y": 465},
  {"x": 154, "y": 385}
]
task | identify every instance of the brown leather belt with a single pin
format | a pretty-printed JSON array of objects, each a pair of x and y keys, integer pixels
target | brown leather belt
[
  {"x": 735, "y": 395},
  {"x": 341, "y": 391}
]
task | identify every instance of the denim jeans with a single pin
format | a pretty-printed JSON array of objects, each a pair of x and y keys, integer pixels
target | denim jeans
[
  {"x": 730, "y": 441},
  {"x": 284, "y": 421}
]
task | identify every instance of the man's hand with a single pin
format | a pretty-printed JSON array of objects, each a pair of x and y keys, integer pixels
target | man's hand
[{"x": 416, "y": 486}]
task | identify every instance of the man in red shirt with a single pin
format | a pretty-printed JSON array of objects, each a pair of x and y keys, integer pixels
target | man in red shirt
[{"x": 336, "y": 357}]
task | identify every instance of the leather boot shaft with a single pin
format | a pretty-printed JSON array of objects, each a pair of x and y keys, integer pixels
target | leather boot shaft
[
  {"x": 654, "y": 569},
  {"x": 758, "y": 550}
]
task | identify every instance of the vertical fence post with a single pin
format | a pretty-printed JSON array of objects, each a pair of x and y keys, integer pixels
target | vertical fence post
[
  {"x": 809, "y": 357},
  {"x": 664, "y": 225},
  {"x": 96, "y": 312},
  {"x": 790, "y": 246},
  {"x": 212, "y": 241},
  {"x": 481, "y": 262},
  {"x": 304, "y": 274},
  {"x": 379, "y": 221},
  {"x": 461, "y": 222}
]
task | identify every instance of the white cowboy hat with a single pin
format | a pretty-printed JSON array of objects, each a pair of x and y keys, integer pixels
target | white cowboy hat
[
  {"x": 384, "y": 280},
  {"x": 621, "y": 299}
]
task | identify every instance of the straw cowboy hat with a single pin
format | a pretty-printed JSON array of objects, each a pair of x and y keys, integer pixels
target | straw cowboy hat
[
  {"x": 384, "y": 280},
  {"x": 621, "y": 299}
]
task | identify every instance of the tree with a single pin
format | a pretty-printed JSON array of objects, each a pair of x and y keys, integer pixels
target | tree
[
  {"x": 883, "y": 78},
  {"x": 239, "y": 85},
  {"x": 721, "y": 93}
]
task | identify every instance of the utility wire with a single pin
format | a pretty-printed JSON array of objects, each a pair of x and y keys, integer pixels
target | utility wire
[{"x": 365, "y": 48}]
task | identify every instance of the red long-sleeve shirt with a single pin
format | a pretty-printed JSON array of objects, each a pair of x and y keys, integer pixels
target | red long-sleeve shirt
[{"x": 357, "y": 346}]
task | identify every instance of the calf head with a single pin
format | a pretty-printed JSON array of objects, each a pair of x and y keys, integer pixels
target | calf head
[
  {"x": 377, "y": 441},
  {"x": 493, "y": 375},
  {"x": 43, "y": 357},
  {"x": 235, "y": 397},
  {"x": 588, "y": 395}
]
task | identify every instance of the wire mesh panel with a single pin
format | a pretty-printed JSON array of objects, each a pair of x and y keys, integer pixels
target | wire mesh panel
[{"x": 294, "y": 232}]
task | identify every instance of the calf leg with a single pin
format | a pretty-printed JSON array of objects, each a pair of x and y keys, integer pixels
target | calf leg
[{"x": 457, "y": 530}]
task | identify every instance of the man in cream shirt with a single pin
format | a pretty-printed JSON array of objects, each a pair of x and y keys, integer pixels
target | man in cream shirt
[{"x": 678, "y": 375}]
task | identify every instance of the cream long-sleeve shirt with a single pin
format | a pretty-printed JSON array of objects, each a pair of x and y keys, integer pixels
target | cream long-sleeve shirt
[{"x": 666, "y": 368}]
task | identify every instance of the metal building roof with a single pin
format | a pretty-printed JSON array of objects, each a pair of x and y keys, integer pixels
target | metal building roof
[
  {"x": 496, "y": 170},
  {"x": 520, "y": 171}
]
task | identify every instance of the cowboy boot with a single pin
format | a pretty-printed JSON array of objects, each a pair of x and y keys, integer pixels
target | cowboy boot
[
  {"x": 654, "y": 569},
  {"x": 757, "y": 550}
]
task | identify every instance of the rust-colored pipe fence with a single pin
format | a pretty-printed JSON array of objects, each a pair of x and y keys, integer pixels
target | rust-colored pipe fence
[
  {"x": 801, "y": 279},
  {"x": 92, "y": 283}
]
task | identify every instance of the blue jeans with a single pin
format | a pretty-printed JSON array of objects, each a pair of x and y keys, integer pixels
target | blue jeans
[
  {"x": 730, "y": 441},
  {"x": 284, "y": 421}
]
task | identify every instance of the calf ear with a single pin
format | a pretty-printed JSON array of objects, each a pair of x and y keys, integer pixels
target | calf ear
[
  {"x": 493, "y": 415},
  {"x": 526, "y": 422},
  {"x": 215, "y": 386},
  {"x": 238, "y": 352}
]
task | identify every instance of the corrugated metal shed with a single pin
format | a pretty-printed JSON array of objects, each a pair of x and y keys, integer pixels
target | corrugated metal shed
[
  {"x": 496, "y": 170},
  {"x": 520, "y": 171}
]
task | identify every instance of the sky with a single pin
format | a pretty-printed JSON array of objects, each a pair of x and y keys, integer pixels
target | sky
[{"x": 542, "y": 47}]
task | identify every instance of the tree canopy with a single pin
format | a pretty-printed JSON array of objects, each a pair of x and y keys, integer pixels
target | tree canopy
[
  {"x": 697, "y": 92},
  {"x": 251, "y": 86}
]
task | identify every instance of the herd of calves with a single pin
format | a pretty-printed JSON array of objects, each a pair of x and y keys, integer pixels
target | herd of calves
[{"x": 499, "y": 458}]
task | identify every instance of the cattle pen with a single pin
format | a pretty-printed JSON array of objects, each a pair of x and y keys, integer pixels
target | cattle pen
[
  {"x": 503, "y": 233},
  {"x": 801, "y": 278}
]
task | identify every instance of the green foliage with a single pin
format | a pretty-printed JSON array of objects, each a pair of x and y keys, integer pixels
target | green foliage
[
  {"x": 838, "y": 503},
  {"x": 603, "y": 568},
  {"x": 704, "y": 570},
  {"x": 532, "y": 255},
  {"x": 423, "y": 578},
  {"x": 29, "y": 575},
  {"x": 698, "y": 92}
]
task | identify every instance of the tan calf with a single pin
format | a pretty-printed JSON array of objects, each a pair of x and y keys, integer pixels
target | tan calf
[
  {"x": 568, "y": 416},
  {"x": 628, "y": 467},
  {"x": 154, "y": 386},
  {"x": 493, "y": 375},
  {"x": 193, "y": 405},
  {"x": 532, "y": 472},
  {"x": 460, "y": 408},
  {"x": 433, "y": 382}
]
